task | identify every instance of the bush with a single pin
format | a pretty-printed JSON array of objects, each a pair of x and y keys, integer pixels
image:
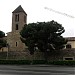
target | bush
[
  {"x": 27, "y": 62},
  {"x": 33, "y": 62},
  {"x": 39, "y": 62},
  {"x": 69, "y": 63}
]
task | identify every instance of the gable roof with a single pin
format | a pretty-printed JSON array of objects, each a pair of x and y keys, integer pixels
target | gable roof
[
  {"x": 19, "y": 9},
  {"x": 70, "y": 38}
]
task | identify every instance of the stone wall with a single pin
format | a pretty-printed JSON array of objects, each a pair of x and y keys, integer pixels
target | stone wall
[
  {"x": 68, "y": 53},
  {"x": 25, "y": 55}
]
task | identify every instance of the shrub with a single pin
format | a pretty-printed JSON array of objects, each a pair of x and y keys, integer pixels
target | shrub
[
  {"x": 39, "y": 62},
  {"x": 69, "y": 63},
  {"x": 33, "y": 62},
  {"x": 15, "y": 62}
]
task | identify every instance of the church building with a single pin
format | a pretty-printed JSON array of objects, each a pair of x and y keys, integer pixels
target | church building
[{"x": 19, "y": 19}]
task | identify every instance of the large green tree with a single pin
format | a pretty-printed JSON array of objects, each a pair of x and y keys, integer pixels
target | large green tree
[
  {"x": 2, "y": 41},
  {"x": 43, "y": 36}
]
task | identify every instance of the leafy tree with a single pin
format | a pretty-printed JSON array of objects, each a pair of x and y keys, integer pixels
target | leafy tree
[
  {"x": 2, "y": 41},
  {"x": 44, "y": 36}
]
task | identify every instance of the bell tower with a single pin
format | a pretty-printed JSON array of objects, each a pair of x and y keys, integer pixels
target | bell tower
[{"x": 19, "y": 19}]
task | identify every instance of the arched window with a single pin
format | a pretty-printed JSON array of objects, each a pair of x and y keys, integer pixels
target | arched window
[
  {"x": 16, "y": 44},
  {"x": 25, "y": 19},
  {"x": 16, "y": 26},
  {"x": 17, "y": 17},
  {"x": 68, "y": 46}
]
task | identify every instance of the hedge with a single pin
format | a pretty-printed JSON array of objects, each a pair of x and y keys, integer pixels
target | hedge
[
  {"x": 68, "y": 63},
  {"x": 39, "y": 62},
  {"x": 33, "y": 62},
  {"x": 15, "y": 62}
]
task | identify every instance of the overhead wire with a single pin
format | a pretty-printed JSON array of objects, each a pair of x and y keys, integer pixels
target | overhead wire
[{"x": 59, "y": 12}]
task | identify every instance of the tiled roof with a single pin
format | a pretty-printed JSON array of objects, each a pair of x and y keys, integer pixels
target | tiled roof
[
  {"x": 70, "y": 38},
  {"x": 19, "y": 9}
]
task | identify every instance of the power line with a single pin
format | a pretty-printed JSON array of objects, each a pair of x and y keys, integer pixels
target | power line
[{"x": 59, "y": 12}]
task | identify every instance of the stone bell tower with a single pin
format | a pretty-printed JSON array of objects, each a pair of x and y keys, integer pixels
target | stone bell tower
[{"x": 19, "y": 19}]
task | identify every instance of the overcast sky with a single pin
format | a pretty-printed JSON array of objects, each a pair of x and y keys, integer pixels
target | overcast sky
[{"x": 36, "y": 13}]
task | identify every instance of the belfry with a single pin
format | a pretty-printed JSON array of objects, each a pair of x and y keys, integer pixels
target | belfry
[{"x": 19, "y": 19}]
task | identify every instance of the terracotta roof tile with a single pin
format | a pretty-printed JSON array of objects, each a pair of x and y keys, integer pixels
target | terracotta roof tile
[{"x": 70, "y": 38}]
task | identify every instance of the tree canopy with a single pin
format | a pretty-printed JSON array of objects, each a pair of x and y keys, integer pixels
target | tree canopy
[
  {"x": 43, "y": 36},
  {"x": 2, "y": 41},
  {"x": 2, "y": 34}
]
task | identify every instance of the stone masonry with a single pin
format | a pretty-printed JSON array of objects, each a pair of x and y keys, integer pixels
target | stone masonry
[{"x": 19, "y": 19}]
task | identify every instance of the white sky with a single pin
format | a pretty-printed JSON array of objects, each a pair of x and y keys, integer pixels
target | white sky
[{"x": 36, "y": 13}]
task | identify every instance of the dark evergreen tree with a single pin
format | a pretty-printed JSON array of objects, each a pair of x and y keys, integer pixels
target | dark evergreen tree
[
  {"x": 44, "y": 36},
  {"x": 2, "y": 40}
]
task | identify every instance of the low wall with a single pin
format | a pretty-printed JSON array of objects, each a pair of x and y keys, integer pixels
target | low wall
[
  {"x": 25, "y": 55},
  {"x": 37, "y": 55}
]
